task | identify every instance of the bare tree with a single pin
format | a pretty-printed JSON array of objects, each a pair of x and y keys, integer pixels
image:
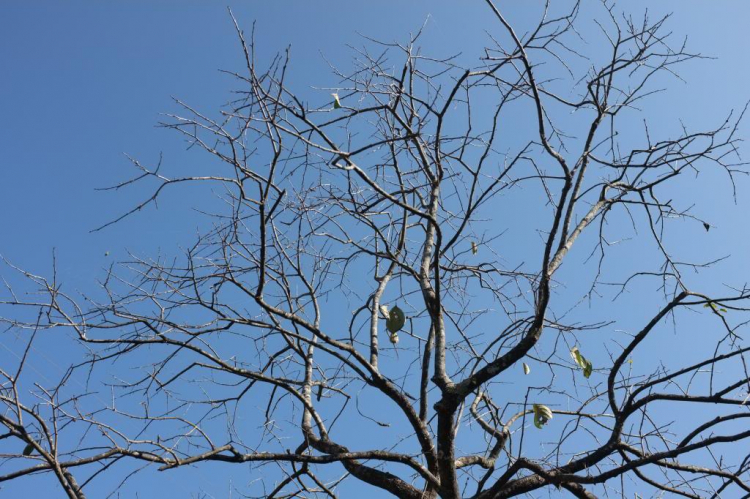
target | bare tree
[{"x": 400, "y": 282}]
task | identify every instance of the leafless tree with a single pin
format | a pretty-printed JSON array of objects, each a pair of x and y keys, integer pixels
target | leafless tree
[{"x": 400, "y": 282}]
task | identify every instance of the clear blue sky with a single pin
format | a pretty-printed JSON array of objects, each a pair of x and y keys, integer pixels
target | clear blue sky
[{"x": 81, "y": 83}]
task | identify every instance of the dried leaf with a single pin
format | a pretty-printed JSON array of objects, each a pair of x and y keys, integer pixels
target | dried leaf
[
  {"x": 336, "y": 101},
  {"x": 542, "y": 415},
  {"x": 582, "y": 362},
  {"x": 396, "y": 320}
]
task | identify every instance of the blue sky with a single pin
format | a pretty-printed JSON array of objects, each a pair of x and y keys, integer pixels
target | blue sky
[{"x": 84, "y": 82}]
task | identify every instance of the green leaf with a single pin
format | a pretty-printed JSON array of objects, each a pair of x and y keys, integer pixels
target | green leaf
[
  {"x": 714, "y": 307},
  {"x": 396, "y": 320},
  {"x": 526, "y": 368},
  {"x": 336, "y": 101},
  {"x": 28, "y": 450},
  {"x": 542, "y": 415},
  {"x": 582, "y": 362}
]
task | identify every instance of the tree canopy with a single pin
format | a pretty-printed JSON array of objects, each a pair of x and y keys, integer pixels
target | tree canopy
[{"x": 463, "y": 275}]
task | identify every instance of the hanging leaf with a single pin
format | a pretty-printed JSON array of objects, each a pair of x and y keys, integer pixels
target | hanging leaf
[
  {"x": 336, "y": 101},
  {"x": 28, "y": 450},
  {"x": 582, "y": 362},
  {"x": 542, "y": 415},
  {"x": 526, "y": 368},
  {"x": 396, "y": 320},
  {"x": 474, "y": 248}
]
